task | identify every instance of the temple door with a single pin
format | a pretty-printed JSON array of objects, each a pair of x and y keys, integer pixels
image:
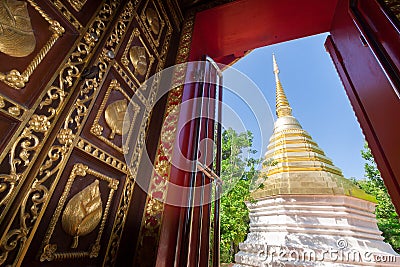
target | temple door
[
  {"x": 364, "y": 46},
  {"x": 68, "y": 71}
]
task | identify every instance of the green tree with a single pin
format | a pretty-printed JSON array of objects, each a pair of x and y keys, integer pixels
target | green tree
[
  {"x": 237, "y": 171},
  {"x": 388, "y": 219}
]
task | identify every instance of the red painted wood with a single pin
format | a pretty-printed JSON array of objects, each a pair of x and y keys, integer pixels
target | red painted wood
[
  {"x": 371, "y": 95},
  {"x": 382, "y": 29},
  {"x": 247, "y": 24}
]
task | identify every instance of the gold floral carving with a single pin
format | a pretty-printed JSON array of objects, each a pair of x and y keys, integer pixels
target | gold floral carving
[
  {"x": 29, "y": 210},
  {"x": 77, "y": 4},
  {"x": 138, "y": 57},
  {"x": 114, "y": 116},
  {"x": 16, "y": 34},
  {"x": 114, "y": 120},
  {"x": 15, "y": 78},
  {"x": 83, "y": 212},
  {"x": 81, "y": 215}
]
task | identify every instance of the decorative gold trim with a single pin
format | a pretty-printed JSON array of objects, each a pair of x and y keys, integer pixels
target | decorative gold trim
[
  {"x": 152, "y": 218},
  {"x": 77, "y": 4},
  {"x": 394, "y": 6},
  {"x": 132, "y": 85},
  {"x": 299, "y": 169},
  {"x": 299, "y": 149},
  {"x": 101, "y": 155},
  {"x": 25, "y": 218},
  {"x": 282, "y": 134},
  {"x": 11, "y": 108},
  {"x": 17, "y": 80},
  {"x": 174, "y": 9},
  {"x": 49, "y": 251},
  {"x": 125, "y": 60},
  {"x": 65, "y": 12},
  {"x": 283, "y": 141},
  {"x": 113, "y": 245},
  {"x": 97, "y": 129},
  {"x": 144, "y": 18},
  {"x": 302, "y": 158}
]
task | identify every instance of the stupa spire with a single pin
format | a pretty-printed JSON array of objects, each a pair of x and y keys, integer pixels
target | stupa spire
[{"x": 282, "y": 104}]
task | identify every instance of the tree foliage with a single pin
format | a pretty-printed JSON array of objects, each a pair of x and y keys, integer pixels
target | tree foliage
[
  {"x": 388, "y": 219},
  {"x": 237, "y": 171}
]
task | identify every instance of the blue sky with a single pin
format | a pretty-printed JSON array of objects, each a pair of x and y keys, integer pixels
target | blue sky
[{"x": 314, "y": 91}]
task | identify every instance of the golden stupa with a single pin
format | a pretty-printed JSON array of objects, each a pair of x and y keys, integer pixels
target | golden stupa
[{"x": 299, "y": 166}]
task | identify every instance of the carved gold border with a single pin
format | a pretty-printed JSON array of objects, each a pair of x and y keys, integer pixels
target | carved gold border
[
  {"x": 49, "y": 250},
  {"x": 161, "y": 19},
  {"x": 11, "y": 108},
  {"x": 101, "y": 155},
  {"x": 67, "y": 14},
  {"x": 25, "y": 218},
  {"x": 176, "y": 13},
  {"x": 119, "y": 223},
  {"x": 97, "y": 130},
  {"x": 154, "y": 208},
  {"x": 17, "y": 80},
  {"x": 77, "y": 4},
  {"x": 125, "y": 60}
]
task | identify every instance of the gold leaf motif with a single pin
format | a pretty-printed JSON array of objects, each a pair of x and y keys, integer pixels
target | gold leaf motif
[
  {"x": 2, "y": 103},
  {"x": 114, "y": 116},
  {"x": 137, "y": 55},
  {"x": 152, "y": 19},
  {"x": 83, "y": 212},
  {"x": 16, "y": 34}
]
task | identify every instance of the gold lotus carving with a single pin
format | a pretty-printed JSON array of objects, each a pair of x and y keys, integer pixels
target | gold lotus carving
[
  {"x": 114, "y": 116},
  {"x": 137, "y": 56},
  {"x": 153, "y": 20},
  {"x": 83, "y": 212},
  {"x": 16, "y": 34}
]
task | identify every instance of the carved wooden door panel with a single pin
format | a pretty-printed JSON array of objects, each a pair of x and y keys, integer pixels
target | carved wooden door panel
[{"x": 68, "y": 70}]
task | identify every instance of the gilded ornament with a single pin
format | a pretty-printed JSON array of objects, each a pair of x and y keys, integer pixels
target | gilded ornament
[
  {"x": 16, "y": 34},
  {"x": 163, "y": 154},
  {"x": 39, "y": 123},
  {"x": 153, "y": 20},
  {"x": 97, "y": 129},
  {"x": 137, "y": 55},
  {"x": 48, "y": 252},
  {"x": 114, "y": 116},
  {"x": 15, "y": 111},
  {"x": 77, "y": 4},
  {"x": 33, "y": 202},
  {"x": 65, "y": 137},
  {"x": 2, "y": 103},
  {"x": 83, "y": 212}
]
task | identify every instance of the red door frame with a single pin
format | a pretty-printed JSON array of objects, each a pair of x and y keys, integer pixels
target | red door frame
[{"x": 364, "y": 64}]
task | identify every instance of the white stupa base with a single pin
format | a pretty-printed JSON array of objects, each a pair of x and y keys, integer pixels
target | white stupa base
[{"x": 314, "y": 230}]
